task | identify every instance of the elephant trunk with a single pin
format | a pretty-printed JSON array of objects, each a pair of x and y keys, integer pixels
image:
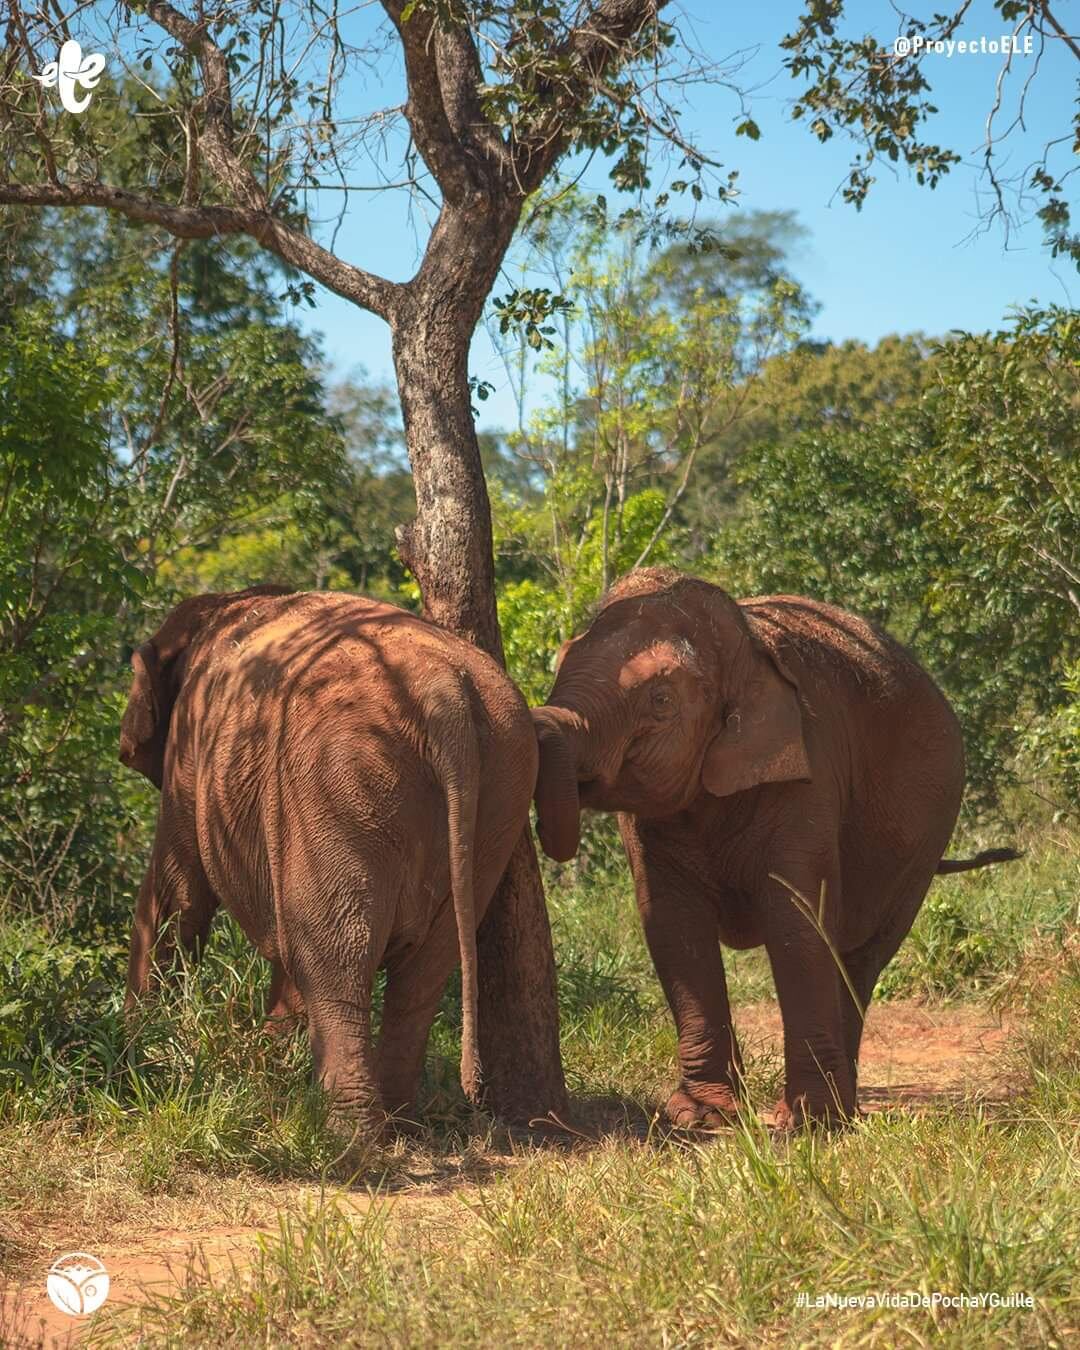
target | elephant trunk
[{"x": 558, "y": 808}]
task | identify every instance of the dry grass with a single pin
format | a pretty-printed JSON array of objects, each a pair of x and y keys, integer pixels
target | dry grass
[{"x": 640, "y": 1238}]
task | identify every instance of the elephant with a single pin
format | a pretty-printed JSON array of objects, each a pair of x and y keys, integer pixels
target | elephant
[
  {"x": 785, "y": 775},
  {"x": 349, "y": 781}
]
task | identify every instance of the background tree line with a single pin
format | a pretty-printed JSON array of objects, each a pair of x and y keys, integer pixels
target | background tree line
[{"x": 166, "y": 427}]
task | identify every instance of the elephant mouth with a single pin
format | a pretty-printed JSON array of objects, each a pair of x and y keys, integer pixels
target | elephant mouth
[
  {"x": 600, "y": 794},
  {"x": 630, "y": 792}
]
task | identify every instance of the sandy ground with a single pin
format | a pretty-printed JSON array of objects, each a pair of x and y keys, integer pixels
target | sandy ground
[{"x": 920, "y": 1058}]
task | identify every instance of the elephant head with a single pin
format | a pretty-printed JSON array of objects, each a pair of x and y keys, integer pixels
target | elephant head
[
  {"x": 159, "y": 668},
  {"x": 667, "y": 693}
]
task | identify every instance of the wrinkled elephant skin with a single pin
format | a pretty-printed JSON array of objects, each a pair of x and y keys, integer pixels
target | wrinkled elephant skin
[
  {"x": 784, "y": 774},
  {"x": 349, "y": 781}
]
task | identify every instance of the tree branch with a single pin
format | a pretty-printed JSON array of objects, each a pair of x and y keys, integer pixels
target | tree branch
[
  {"x": 217, "y": 103},
  {"x": 1067, "y": 38},
  {"x": 589, "y": 49},
  {"x": 435, "y": 137},
  {"x": 460, "y": 78},
  {"x": 207, "y": 222},
  {"x": 186, "y": 222}
]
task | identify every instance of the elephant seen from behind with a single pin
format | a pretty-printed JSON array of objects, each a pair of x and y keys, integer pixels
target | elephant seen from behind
[
  {"x": 349, "y": 780},
  {"x": 784, "y": 774}
]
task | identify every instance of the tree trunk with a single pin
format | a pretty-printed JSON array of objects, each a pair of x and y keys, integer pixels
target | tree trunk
[{"x": 448, "y": 548}]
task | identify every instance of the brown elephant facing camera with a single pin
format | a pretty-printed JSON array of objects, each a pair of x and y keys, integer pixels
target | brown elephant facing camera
[
  {"x": 741, "y": 742},
  {"x": 349, "y": 781}
]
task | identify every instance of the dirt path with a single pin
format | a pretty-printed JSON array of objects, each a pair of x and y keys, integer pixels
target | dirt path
[
  {"x": 911, "y": 1055},
  {"x": 915, "y": 1057},
  {"x": 160, "y": 1262}
]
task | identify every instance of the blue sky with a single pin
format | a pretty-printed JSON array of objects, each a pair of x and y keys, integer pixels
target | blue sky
[{"x": 908, "y": 261}]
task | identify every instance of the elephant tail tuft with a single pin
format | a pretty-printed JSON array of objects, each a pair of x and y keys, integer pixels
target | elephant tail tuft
[{"x": 986, "y": 858}]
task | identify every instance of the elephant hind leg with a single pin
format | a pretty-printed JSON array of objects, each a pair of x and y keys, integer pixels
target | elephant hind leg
[
  {"x": 865, "y": 964},
  {"x": 333, "y": 963},
  {"x": 284, "y": 1005},
  {"x": 415, "y": 980},
  {"x": 339, "y": 1028},
  {"x": 819, "y": 1079},
  {"x": 863, "y": 968}
]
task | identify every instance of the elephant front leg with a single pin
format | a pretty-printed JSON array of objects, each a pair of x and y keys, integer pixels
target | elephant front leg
[
  {"x": 819, "y": 1078},
  {"x": 174, "y": 901},
  {"x": 682, "y": 932}
]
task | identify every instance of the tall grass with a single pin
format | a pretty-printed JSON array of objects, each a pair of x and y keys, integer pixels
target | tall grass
[
  {"x": 655, "y": 1243},
  {"x": 640, "y": 1239}
]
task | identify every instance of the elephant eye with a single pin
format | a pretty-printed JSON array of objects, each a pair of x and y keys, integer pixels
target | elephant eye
[{"x": 662, "y": 700}]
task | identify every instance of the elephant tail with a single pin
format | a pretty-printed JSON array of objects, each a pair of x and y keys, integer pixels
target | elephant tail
[
  {"x": 986, "y": 858},
  {"x": 456, "y": 755}
]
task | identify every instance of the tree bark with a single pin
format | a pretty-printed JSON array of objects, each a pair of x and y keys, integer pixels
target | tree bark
[{"x": 448, "y": 548}]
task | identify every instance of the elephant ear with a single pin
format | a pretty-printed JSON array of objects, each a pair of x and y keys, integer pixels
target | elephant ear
[
  {"x": 145, "y": 724},
  {"x": 761, "y": 740},
  {"x": 159, "y": 669}
]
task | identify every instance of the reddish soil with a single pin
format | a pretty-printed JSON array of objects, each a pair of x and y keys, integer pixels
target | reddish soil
[{"x": 913, "y": 1057}]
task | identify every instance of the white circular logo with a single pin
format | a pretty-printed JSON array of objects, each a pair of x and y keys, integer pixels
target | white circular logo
[{"x": 78, "y": 1283}]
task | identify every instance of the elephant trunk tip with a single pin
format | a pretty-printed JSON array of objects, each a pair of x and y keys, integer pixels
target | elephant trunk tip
[
  {"x": 557, "y": 845},
  {"x": 558, "y": 807}
]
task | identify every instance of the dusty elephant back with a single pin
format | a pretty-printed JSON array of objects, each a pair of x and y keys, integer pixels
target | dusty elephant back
[
  {"x": 321, "y": 706},
  {"x": 866, "y": 690},
  {"x": 332, "y": 646},
  {"x": 828, "y": 638}
]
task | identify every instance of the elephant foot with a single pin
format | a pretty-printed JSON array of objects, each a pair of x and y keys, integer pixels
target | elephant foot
[
  {"x": 702, "y": 1107},
  {"x": 281, "y": 1025},
  {"x": 362, "y": 1138},
  {"x": 804, "y": 1113}
]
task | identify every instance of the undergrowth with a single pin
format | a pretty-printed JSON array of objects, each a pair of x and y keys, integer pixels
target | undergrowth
[{"x": 639, "y": 1238}]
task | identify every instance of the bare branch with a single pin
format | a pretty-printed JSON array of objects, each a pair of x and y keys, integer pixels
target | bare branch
[
  {"x": 1067, "y": 38},
  {"x": 208, "y": 222},
  {"x": 186, "y": 222}
]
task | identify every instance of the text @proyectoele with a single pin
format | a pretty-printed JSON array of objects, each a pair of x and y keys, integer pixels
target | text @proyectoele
[{"x": 1008, "y": 44}]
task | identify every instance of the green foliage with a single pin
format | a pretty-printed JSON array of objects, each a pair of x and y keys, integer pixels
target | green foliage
[
  {"x": 829, "y": 513},
  {"x": 194, "y": 1082},
  {"x": 650, "y": 362},
  {"x": 529, "y": 311},
  {"x": 532, "y": 623},
  {"x": 954, "y": 520},
  {"x": 881, "y": 98},
  {"x": 1052, "y": 743},
  {"x": 59, "y": 1008},
  {"x": 65, "y": 583},
  {"x": 972, "y": 932},
  {"x": 56, "y": 492}
]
